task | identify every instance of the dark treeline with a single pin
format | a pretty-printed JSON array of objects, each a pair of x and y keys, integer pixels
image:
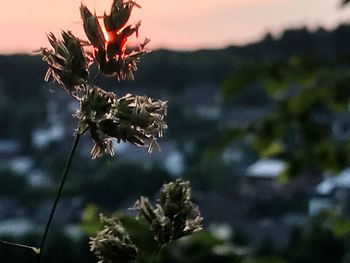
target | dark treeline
[{"x": 175, "y": 69}]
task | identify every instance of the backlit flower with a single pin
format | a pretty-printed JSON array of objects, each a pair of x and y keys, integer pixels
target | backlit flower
[
  {"x": 68, "y": 63},
  {"x": 119, "y": 15},
  {"x": 92, "y": 27},
  {"x": 138, "y": 120},
  {"x": 113, "y": 244},
  {"x": 175, "y": 215},
  {"x": 110, "y": 39}
]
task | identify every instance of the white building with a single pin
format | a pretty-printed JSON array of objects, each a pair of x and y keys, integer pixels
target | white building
[{"x": 332, "y": 193}]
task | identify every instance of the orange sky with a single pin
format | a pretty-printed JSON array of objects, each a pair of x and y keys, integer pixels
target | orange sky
[{"x": 177, "y": 24}]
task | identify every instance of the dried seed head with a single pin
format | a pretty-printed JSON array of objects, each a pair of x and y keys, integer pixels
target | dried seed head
[
  {"x": 112, "y": 243},
  {"x": 119, "y": 16},
  {"x": 68, "y": 63},
  {"x": 92, "y": 27},
  {"x": 175, "y": 215},
  {"x": 110, "y": 40},
  {"x": 135, "y": 119},
  {"x": 122, "y": 67}
]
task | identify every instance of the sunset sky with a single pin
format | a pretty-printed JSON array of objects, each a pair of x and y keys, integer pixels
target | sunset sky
[{"x": 176, "y": 24}]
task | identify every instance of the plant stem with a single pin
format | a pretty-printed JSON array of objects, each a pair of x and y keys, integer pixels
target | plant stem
[
  {"x": 159, "y": 248},
  {"x": 10, "y": 244},
  {"x": 53, "y": 210}
]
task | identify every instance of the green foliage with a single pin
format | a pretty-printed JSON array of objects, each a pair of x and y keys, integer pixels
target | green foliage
[
  {"x": 199, "y": 247},
  {"x": 341, "y": 227},
  {"x": 174, "y": 217},
  {"x": 140, "y": 234},
  {"x": 305, "y": 94},
  {"x": 210, "y": 174},
  {"x": 317, "y": 243},
  {"x": 137, "y": 229},
  {"x": 204, "y": 247},
  {"x": 242, "y": 78},
  {"x": 338, "y": 224},
  {"x": 90, "y": 223}
]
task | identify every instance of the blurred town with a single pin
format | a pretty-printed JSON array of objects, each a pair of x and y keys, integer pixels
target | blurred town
[{"x": 245, "y": 197}]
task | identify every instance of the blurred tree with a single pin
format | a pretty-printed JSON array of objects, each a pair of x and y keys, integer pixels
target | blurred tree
[
  {"x": 316, "y": 243},
  {"x": 306, "y": 125}
]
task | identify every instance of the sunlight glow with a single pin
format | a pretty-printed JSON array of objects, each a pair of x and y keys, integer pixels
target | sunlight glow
[{"x": 105, "y": 32}]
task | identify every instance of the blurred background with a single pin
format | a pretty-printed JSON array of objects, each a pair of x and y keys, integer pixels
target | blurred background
[{"x": 259, "y": 122}]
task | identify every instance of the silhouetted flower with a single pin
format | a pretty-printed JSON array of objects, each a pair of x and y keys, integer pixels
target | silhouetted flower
[
  {"x": 110, "y": 40},
  {"x": 112, "y": 244},
  {"x": 175, "y": 215},
  {"x": 135, "y": 119},
  {"x": 92, "y": 27},
  {"x": 119, "y": 15},
  {"x": 68, "y": 63}
]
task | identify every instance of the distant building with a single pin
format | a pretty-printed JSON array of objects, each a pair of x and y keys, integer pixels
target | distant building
[
  {"x": 266, "y": 168},
  {"x": 333, "y": 193},
  {"x": 262, "y": 175}
]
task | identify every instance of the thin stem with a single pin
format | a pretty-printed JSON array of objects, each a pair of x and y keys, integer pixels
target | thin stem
[
  {"x": 53, "y": 210},
  {"x": 159, "y": 248},
  {"x": 10, "y": 244}
]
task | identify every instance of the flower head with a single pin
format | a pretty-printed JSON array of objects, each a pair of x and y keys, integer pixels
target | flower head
[
  {"x": 175, "y": 215},
  {"x": 92, "y": 27},
  {"x": 135, "y": 119},
  {"x": 119, "y": 15},
  {"x": 68, "y": 63},
  {"x": 110, "y": 39},
  {"x": 113, "y": 244}
]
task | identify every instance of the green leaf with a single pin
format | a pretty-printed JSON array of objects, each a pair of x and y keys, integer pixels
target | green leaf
[
  {"x": 90, "y": 223},
  {"x": 272, "y": 149}
]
